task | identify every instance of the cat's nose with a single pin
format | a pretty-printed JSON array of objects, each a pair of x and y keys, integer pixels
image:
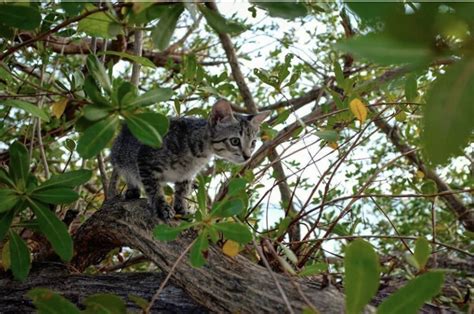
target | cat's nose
[{"x": 246, "y": 157}]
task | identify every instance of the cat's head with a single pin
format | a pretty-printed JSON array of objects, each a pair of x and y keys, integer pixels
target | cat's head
[{"x": 233, "y": 136}]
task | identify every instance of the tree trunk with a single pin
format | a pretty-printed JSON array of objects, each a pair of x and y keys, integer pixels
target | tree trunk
[
  {"x": 75, "y": 287},
  {"x": 223, "y": 285}
]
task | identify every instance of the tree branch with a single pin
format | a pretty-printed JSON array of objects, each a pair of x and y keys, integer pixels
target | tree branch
[
  {"x": 234, "y": 65},
  {"x": 55, "y": 29},
  {"x": 76, "y": 287},
  {"x": 223, "y": 285},
  {"x": 464, "y": 214}
]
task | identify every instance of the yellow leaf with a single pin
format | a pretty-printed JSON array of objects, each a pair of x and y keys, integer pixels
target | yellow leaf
[
  {"x": 6, "y": 256},
  {"x": 420, "y": 174},
  {"x": 333, "y": 145},
  {"x": 231, "y": 248},
  {"x": 58, "y": 107},
  {"x": 358, "y": 109}
]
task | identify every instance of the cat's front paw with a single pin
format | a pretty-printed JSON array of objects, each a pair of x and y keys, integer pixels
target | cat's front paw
[
  {"x": 181, "y": 209},
  {"x": 165, "y": 211}
]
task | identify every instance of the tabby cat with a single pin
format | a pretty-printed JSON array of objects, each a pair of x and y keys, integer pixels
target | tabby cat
[{"x": 187, "y": 147}]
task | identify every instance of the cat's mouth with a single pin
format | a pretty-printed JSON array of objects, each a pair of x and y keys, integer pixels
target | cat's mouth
[{"x": 235, "y": 159}]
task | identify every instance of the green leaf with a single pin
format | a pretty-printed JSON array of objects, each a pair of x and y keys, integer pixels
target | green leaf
[
  {"x": 202, "y": 195},
  {"x": 92, "y": 91},
  {"x": 190, "y": 67},
  {"x": 96, "y": 113},
  {"x": 236, "y": 185},
  {"x": 97, "y": 25},
  {"x": 141, "y": 302},
  {"x": 19, "y": 163},
  {"x": 165, "y": 232},
  {"x": 163, "y": 31},
  {"x": 422, "y": 252},
  {"x": 340, "y": 79},
  {"x": 327, "y": 135},
  {"x": 55, "y": 195},
  {"x": 411, "y": 88},
  {"x": 19, "y": 256},
  {"x": 48, "y": 302},
  {"x": 97, "y": 70},
  {"x": 286, "y": 10},
  {"x": 448, "y": 113},
  {"x": 72, "y": 8},
  {"x": 382, "y": 49},
  {"x": 137, "y": 59},
  {"x": 143, "y": 130},
  {"x": 228, "y": 208},
  {"x": 103, "y": 303},
  {"x": 5, "y": 222},
  {"x": 429, "y": 187},
  {"x": 221, "y": 24},
  {"x": 54, "y": 230},
  {"x": 69, "y": 179},
  {"x": 362, "y": 275},
  {"x": 196, "y": 254},
  {"x": 28, "y": 107},
  {"x": 8, "y": 199},
  {"x": 5, "y": 178},
  {"x": 96, "y": 137},
  {"x": 70, "y": 145},
  {"x": 126, "y": 91},
  {"x": 20, "y": 16},
  {"x": 266, "y": 78},
  {"x": 144, "y": 12},
  {"x": 313, "y": 269},
  {"x": 151, "y": 97},
  {"x": 410, "y": 298},
  {"x": 235, "y": 231}
]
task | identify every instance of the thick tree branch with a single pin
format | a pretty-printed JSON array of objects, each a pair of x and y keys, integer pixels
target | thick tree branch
[
  {"x": 223, "y": 285},
  {"x": 76, "y": 287},
  {"x": 55, "y": 29}
]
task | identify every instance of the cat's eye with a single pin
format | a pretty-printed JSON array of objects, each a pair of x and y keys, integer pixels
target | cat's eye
[{"x": 234, "y": 141}]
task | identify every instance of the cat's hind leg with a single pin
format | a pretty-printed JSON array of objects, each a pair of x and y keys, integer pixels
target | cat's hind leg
[{"x": 133, "y": 185}]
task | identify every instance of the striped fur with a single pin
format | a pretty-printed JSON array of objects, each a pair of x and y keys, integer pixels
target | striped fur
[{"x": 187, "y": 147}]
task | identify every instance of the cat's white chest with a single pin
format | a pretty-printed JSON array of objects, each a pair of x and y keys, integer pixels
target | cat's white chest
[{"x": 186, "y": 170}]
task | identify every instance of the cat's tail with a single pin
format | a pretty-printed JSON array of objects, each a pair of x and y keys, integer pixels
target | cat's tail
[{"x": 112, "y": 189}]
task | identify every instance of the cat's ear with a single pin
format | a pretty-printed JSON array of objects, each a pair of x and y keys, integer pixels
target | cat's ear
[
  {"x": 257, "y": 119},
  {"x": 221, "y": 112}
]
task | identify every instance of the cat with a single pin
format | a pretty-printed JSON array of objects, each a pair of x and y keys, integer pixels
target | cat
[{"x": 188, "y": 146}]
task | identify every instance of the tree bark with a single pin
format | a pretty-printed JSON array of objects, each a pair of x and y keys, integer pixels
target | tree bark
[
  {"x": 223, "y": 285},
  {"x": 75, "y": 287}
]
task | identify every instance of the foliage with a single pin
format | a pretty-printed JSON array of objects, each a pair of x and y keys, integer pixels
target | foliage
[
  {"x": 48, "y": 302},
  {"x": 371, "y": 121}
]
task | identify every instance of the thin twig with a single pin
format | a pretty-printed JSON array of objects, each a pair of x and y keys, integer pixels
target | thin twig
[
  {"x": 433, "y": 230},
  {"x": 295, "y": 284},
  {"x": 267, "y": 265},
  {"x": 137, "y": 49},
  {"x": 351, "y": 237},
  {"x": 103, "y": 174},
  {"x": 392, "y": 224}
]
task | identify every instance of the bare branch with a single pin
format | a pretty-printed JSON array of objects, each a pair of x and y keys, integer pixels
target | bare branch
[{"x": 464, "y": 214}]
